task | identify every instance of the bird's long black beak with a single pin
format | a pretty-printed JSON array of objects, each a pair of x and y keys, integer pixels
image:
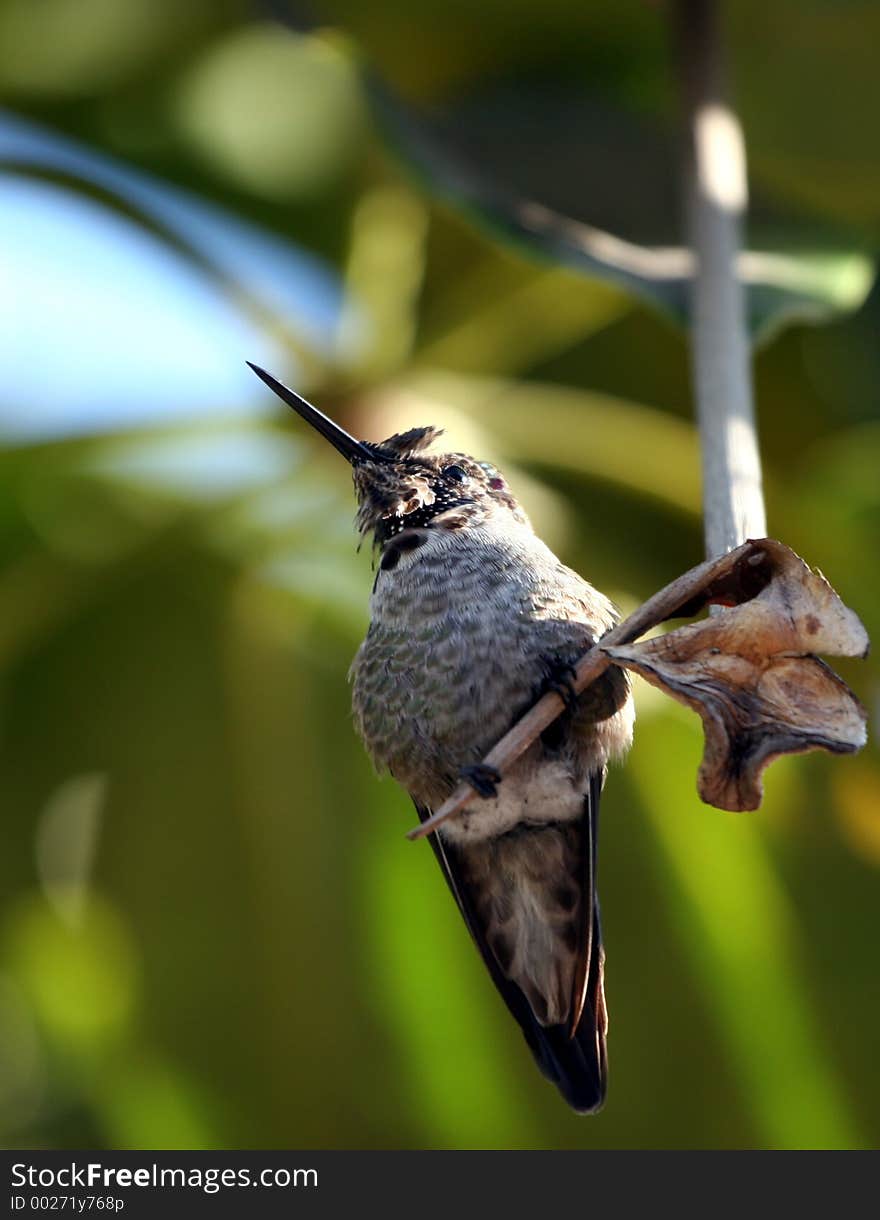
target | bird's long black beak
[{"x": 354, "y": 451}]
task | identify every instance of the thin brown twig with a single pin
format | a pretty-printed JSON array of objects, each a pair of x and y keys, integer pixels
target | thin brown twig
[{"x": 592, "y": 665}]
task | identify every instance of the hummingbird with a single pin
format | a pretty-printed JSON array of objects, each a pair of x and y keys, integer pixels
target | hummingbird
[{"x": 473, "y": 618}]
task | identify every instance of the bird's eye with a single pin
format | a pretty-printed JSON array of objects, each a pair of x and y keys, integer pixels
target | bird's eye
[{"x": 455, "y": 473}]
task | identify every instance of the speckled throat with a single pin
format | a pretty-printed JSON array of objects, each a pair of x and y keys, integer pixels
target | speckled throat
[{"x": 389, "y": 527}]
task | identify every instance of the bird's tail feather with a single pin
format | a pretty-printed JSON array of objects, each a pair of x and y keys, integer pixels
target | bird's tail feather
[
  {"x": 572, "y": 1054},
  {"x": 576, "y": 1061}
]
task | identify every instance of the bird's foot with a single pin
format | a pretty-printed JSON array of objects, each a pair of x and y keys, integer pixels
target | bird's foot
[
  {"x": 560, "y": 679},
  {"x": 482, "y": 778}
]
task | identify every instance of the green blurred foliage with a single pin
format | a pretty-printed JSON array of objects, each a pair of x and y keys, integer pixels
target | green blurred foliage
[{"x": 212, "y": 930}]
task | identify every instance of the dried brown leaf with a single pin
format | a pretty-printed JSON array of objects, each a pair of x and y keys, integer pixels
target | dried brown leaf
[{"x": 750, "y": 673}]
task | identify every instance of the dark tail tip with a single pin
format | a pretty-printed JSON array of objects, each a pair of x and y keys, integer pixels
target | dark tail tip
[{"x": 578, "y": 1065}]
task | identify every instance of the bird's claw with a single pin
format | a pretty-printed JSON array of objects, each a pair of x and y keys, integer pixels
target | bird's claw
[
  {"x": 560, "y": 679},
  {"x": 482, "y": 778}
]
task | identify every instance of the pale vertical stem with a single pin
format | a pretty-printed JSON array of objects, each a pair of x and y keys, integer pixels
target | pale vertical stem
[{"x": 733, "y": 501}]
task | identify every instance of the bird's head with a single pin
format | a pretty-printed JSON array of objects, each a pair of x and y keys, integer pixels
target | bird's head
[{"x": 401, "y": 486}]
